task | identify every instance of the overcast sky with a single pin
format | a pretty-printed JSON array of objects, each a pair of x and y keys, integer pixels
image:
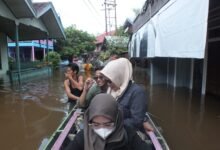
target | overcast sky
[{"x": 88, "y": 15}]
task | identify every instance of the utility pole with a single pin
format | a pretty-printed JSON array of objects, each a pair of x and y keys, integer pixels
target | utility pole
[
  {"x": 110, "y": 15},
  {"x": 106, "y": 27}
]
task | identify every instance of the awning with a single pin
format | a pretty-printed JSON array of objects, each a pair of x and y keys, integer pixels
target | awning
[
  {"x": 35, "y": 22},
  {"x": 21, "y": 8},
  {"x": 46, "y": 12}
]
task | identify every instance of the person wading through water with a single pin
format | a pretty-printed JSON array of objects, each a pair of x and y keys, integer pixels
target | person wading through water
[{"x": 73, "y": 83}]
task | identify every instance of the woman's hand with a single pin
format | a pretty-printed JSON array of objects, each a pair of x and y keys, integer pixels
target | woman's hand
[
  {"x": 68, "y": 75},
  {"x": 147, "y": 126},
  {"x": 88, "y": 84}
]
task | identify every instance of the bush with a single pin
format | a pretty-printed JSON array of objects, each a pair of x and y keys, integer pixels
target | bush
[
  {"x": 104, "y": 55},
  {"x": 53, "y": 58},
  {"x": 10, "y": 62}
]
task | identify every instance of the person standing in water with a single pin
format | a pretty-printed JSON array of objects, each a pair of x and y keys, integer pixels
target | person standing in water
[{"x": 73, "y": 83}]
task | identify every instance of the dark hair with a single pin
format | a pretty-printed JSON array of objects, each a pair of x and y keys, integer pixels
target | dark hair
[
  {"x": 74, "y": 67},
  {"x": 99, "y": 68}
]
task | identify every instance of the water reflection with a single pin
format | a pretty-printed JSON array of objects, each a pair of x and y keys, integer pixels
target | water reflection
[
  {"x": 189, "y": 120},
  {"x": 32, "y": 112}
]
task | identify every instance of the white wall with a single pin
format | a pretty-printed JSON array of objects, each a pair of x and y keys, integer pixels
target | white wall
[
  {"x": 178, "y": 30},
  {"x": 4, "y": 54}
]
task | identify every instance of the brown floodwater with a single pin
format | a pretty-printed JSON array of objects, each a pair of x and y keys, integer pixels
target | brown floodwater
[
  {"x": 187, "y": 120},
  {"x": 31, "y": 113}
]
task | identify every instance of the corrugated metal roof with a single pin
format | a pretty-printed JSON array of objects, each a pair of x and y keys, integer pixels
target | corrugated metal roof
[
  {"x": 100, "y": 38},
  {"x": 47, "y": 13},
  {"x": 20, "y": 8},
  {"x": 30, "y": 17}
]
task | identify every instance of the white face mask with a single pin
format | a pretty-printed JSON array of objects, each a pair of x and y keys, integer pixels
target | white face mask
[{"x": 103, "y": 132}]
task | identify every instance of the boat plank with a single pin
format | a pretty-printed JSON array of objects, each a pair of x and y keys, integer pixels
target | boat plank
[
  {"x": 66, "y": 130},
  {"x": 154, "y": 140}
]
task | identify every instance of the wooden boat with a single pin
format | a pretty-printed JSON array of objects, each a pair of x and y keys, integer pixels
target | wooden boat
[
  {"x": 62, "y": 136},
  {"x": 156, "y": 137},
  {"x": 73, "y": 123}
]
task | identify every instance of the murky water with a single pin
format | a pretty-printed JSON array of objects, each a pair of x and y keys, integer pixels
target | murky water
[
  {"x": 32, "y": 113},
  {"x": 188, "y": 120}
]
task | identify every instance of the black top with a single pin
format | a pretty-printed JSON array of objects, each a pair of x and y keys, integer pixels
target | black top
[{"x": 75, "y": 92}]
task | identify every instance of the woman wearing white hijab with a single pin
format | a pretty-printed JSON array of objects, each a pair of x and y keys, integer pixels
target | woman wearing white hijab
[
  {"x": 104, "y": 129},
  {"x": 131, "y": 97}
]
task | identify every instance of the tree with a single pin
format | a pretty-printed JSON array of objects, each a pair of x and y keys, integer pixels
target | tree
[
  {"x": 53, "y": 58},
  {"x": 77, "y": 42},
  {"x": 120, "y": 32}
]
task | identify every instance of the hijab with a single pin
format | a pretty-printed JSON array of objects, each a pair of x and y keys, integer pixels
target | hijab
[
  {"x": 102, "y": 105},
  {"x": 119, "y": 71}
]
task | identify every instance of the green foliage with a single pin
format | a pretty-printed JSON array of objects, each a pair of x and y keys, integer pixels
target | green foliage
[
  {"x": 53, "y": 58},
  {"x": 77, "y": 42},
  {"x": 66, "y": 52},
  {"x": 116, "y": 44},
  {"x": 27, "y": 65},
  {"x": 104, "y": 55},
  {"x": 11, "y": 60},
  {"x": 120, "y": 32}
]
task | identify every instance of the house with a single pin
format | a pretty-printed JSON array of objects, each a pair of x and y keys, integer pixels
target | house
[
  {"x": 22, "y": 20},
  {"x": 180, "y": 39},
  {"x": 100, "y": 41},
  {"x": 30, "y": 50}
]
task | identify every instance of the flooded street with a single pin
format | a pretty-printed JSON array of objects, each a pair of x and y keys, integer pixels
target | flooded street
[
  {"x": 32, "y": 113},
  {"x": 188, "y": 121}
]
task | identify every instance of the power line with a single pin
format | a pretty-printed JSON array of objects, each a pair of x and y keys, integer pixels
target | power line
[
  {"x": 94, "y": 8},
  {"x": 98, "y": 19}
]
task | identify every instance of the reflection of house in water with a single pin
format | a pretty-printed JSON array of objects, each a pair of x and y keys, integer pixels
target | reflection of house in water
[
  {"x": 30, "y": 50},
  {"x": 180, "y": 39}
]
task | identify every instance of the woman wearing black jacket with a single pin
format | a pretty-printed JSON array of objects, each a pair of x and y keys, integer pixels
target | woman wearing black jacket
[{"x": 104, "y": 129}]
